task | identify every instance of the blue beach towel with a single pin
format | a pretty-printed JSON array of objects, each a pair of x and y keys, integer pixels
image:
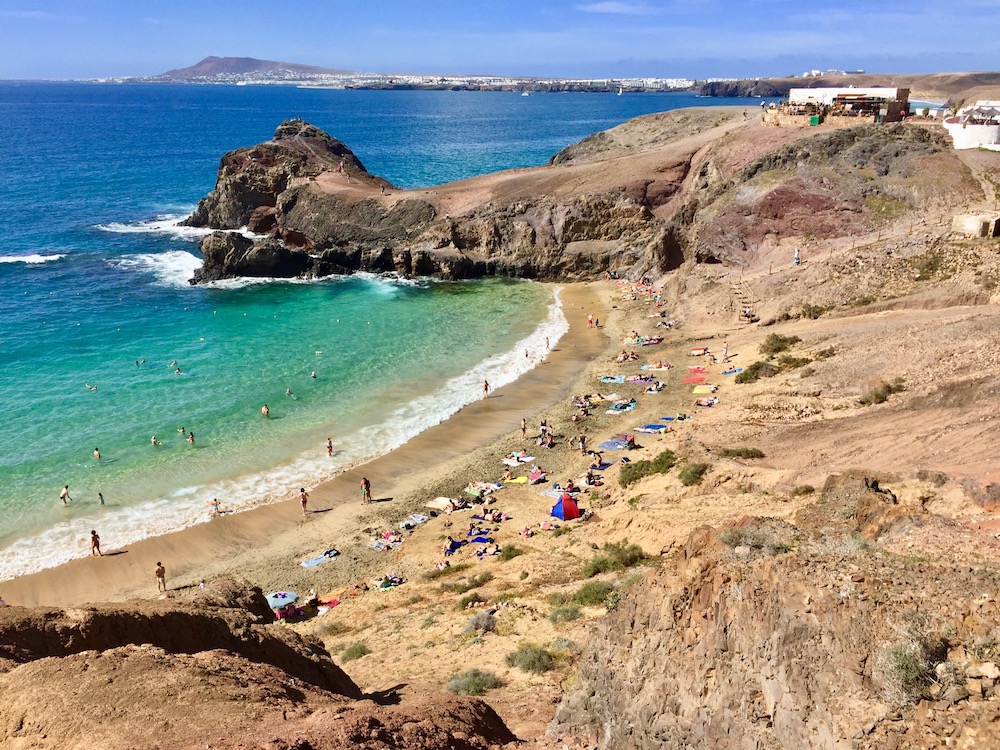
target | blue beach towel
[{"x": 330, "y": 554}]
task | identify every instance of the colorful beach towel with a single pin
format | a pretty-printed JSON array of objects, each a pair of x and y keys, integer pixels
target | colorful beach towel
[
  {"x": 312, "y": 562},
  {"x": 701, "y": 389},
  {"x": 734, "y": 371},
  {"x": 694, "y": 379},
  {"x": 612, "y": 378}
]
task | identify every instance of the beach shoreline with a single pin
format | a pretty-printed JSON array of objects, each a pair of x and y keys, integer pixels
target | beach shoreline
[{"x": 270, "y": 537}]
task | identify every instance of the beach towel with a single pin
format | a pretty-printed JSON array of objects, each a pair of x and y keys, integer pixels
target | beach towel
[
  {"x": 612, "y": 378},
  {"x": 694, "y": 379},
  {"x": 639, "y": 379},
  {"x": 482, "y": 540},
  {"x": 733, "y": 371},
  {"x": 551, "y": 493},
  {"x": 614, "y": 444},
  {"x": 696, "y": 369},
  {"x": 438, "y": 503},
  {"x": 381, "y": 545},
  {"x": 701, "y": 389},
  {"x": 517, "y": 480},
  {"x": 652, "y": 429},
  {"x": 698, "y": 352},
  {"x": 414, "y": 520},
  {"x": 650, "y": 368},
  {"x": 456, "y": 544},
  {"x": 312, "y": 562}
]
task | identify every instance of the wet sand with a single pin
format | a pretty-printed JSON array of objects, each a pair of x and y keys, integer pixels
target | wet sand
[{"x": 259, "y": 542}]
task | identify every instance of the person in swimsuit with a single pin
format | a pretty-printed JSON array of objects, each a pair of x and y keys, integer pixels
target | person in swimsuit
[
  {"x": 366, "y": 490},
  {"x": 304, "y": 500},
  {"x": 95, "y": 544}
]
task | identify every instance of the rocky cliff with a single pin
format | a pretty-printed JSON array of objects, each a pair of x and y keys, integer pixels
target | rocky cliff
[
  {"x": 769, "y": 635},
  {"x": 709, "y": 185},
  {"x": 215, "y": 671}
]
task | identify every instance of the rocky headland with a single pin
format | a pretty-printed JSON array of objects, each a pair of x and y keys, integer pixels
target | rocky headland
[
  {"x": 638, "y": 200},
  {"x": 811, "y": 562}
]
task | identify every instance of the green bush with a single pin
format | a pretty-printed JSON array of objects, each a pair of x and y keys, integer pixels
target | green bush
[
  {"x": 510, "y": 552},
  {"x": 880, "y": 393},
  {"x": 756, "y": 371},
  {"x": 741, "y": 452},
  {"x": 433, "y": 575},
  {"x": 531, "y": 657},
  {"x": 904, "y": 671},
  {"x": 481, "y": 622},
  {"x": 693, "y": 474},
  {"x": 592, "y": 593},
  {"x": 789, "y": 362},
  {"x": 334, "y": 628},
  {"x": 617, "y": 556},
  {"x": 562, "y": 530},
  {"x": 467, "y": 584},
  {"x": 564, "y": 614},
  {"x": 354, "y": 651},
  {"x": 802, "y": 489},
  {"x": 775, "y": 343},
  {"x": 468, "y": 599},
  {"x": 813, "y": 311},
  {"x": 826, "y": 353},
  {"x": 473, "y": 682},
  {"x": 636, "y": 470}
]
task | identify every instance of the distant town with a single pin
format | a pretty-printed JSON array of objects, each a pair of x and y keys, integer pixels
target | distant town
[{"x": 249, "y": 71}]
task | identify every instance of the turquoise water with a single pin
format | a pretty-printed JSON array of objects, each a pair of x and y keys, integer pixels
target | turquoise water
[{"x": 93, "y": 277}]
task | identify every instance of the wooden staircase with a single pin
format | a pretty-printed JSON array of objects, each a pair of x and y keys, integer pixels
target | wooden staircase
[{"x": 743, "y": 298}]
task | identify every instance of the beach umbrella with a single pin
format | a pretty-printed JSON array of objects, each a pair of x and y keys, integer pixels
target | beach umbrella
[{"x": 278, "y": 599}]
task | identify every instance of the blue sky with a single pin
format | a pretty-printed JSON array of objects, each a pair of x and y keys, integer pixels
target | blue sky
[{"x": 665, "y": 38}]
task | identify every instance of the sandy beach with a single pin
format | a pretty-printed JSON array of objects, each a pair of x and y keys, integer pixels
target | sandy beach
[{"x": 264, "y": 544}]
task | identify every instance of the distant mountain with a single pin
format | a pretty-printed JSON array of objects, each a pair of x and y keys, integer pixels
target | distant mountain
[{"x": 220, "y": 66}]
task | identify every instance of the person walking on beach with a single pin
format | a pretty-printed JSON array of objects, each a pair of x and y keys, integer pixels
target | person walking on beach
[
  {"x": 161, "y": 577},
  {"x": 543, "y": 428},
  {"x": 798, "y": 258},
  {"x": 590, "y": 321},
  {"x": 304, "y": 500},
  {"x": 725, "y": 351},
  {"x": 524, "y": 427},
  {"x": 216, "y": 507},
  {"x": 486, "y": 388},
  {"x": 100, "y": 498},
  {"x": 329, "y": 446},
  {"x": 64, "y": 495},
  {"x": 366, "y": 490},
  {"x": 95, "y": 544}
]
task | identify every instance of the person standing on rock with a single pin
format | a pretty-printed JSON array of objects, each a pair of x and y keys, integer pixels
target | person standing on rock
[{"x": 161, "y": 577}]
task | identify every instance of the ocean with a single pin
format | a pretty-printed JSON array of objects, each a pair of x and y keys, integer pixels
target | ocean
[{"x": 104, "y": 344}]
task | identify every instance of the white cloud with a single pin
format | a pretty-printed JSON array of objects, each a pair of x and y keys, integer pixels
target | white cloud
[
  {"x": 614, "y": 7},
  {"x": 29, "y": 15}
]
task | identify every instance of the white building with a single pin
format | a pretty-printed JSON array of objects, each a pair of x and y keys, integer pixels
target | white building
[{"x": 977, "y": 126}]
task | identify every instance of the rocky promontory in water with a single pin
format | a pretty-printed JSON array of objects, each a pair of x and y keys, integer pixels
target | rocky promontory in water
[{"x": 640, "y": 199}]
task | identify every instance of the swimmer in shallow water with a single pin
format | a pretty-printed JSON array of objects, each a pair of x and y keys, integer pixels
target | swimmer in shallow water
[{"x": 90, "y": 387}]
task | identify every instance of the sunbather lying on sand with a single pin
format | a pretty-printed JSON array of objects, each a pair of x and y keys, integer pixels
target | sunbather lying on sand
[{"x": 707, "y": 401}]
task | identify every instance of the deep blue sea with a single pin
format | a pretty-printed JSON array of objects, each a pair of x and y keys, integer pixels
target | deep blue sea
[{"x": 94, "y": 292}]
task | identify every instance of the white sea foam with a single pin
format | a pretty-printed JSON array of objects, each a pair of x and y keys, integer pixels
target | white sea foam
[
  {"x": 31, "y": 260},
  {"x": 189, "y": 506},
  {"x": 172, "y": 268},
  {"x": 167, "y": 224}
]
